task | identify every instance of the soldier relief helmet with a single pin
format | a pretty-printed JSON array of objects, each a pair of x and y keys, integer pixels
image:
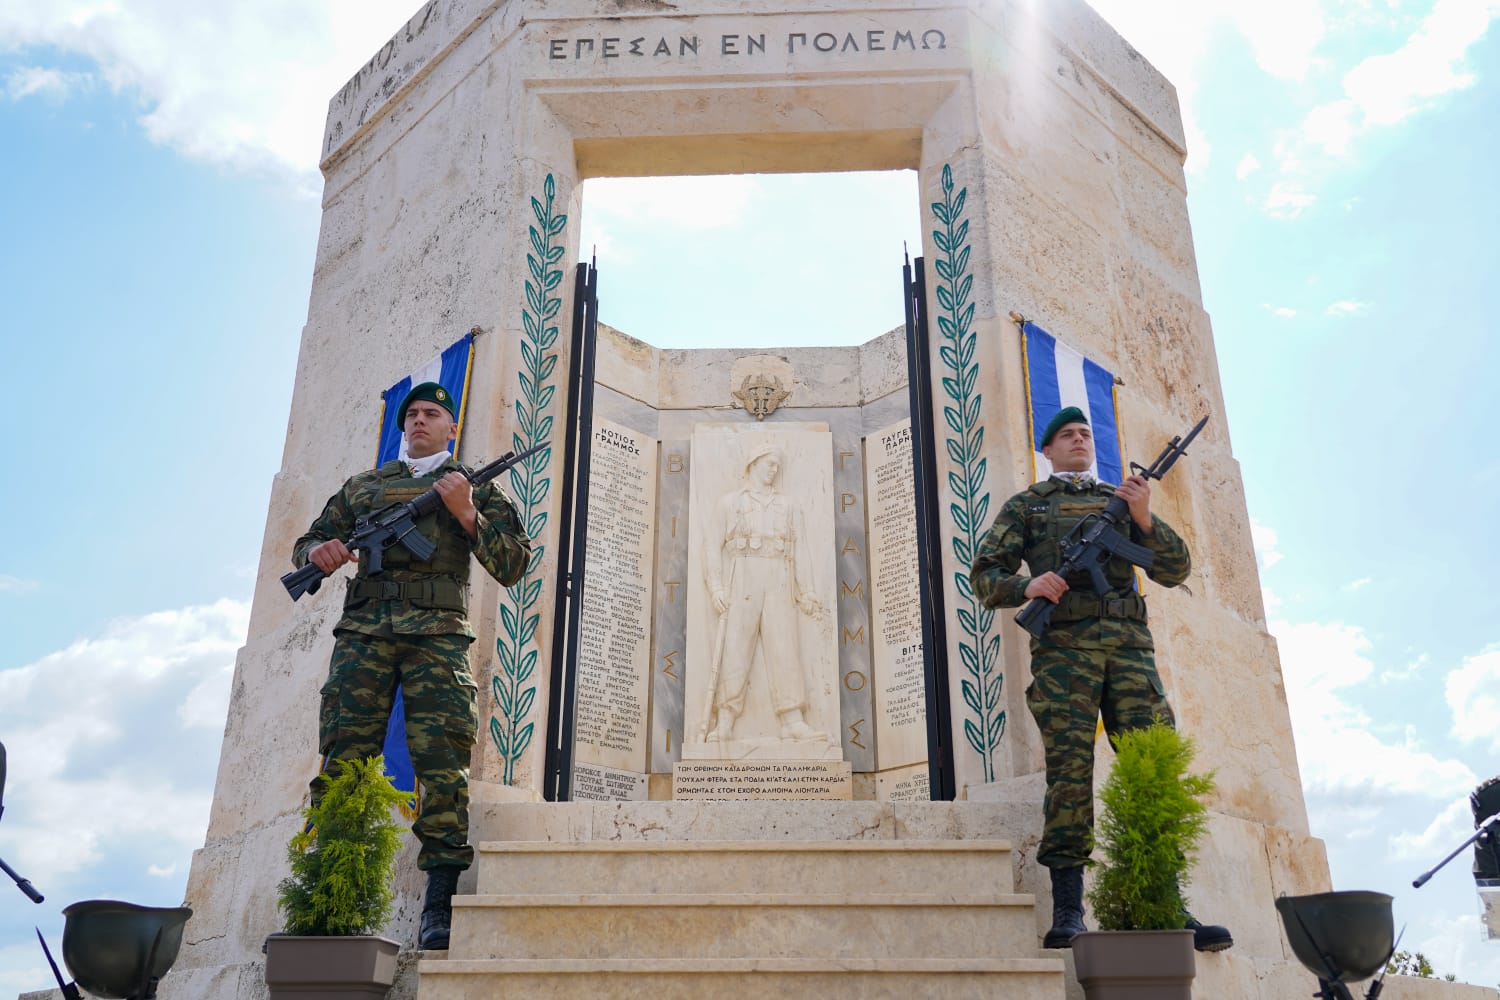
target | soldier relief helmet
[{"x": 756, "y": 453}]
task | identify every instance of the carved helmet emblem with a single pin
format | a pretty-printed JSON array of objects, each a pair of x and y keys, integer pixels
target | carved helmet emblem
[{"x": 761, "y": 394}]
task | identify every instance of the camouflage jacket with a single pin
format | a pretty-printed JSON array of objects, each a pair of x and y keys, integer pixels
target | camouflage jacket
[
  {"x": 419, "y": 598},
  {"x": 1030, "y": 526}
]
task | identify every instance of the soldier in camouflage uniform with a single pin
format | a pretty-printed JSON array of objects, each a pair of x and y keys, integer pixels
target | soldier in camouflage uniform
[
  {"x": 409, "y": 625},
  {"x": 1096, "y": 656}
]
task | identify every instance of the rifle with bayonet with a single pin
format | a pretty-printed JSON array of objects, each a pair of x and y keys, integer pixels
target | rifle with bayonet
[
  {"x": 1097, "y": 538},
  {"x": 396, "y": 524}
]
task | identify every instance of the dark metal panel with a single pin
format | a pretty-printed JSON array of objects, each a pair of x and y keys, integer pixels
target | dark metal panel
[
  {"x": 572, "y": 535},
  {"x": 929, "y": 552}
]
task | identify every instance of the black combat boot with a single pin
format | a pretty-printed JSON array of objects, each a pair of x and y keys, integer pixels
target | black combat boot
[
  {"x": 437, "y": 908},
  {"x": 1067, "y": 908},
  {"x": 1207, "y": 937}
]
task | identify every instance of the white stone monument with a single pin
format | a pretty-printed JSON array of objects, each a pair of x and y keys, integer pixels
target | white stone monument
[{"x": 1050, "y": 164}]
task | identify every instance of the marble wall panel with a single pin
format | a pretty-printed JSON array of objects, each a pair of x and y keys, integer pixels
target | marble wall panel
[
  {"x": 760, "y": 537},
  {"x": 895, "y": 598},
  {"x": 669, "y": 658},
  {"x": 614, "y": 643},
  {"x": 724, "y": 780},
  {"x": 594, "y": 782},
  {"x": 857, "y": 639},
  {"x": 912, "y": 783}
]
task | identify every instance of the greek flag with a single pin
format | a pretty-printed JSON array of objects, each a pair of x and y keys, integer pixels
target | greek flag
[
  {"x": 450, "y": 370},
  {"x": 1058, "y": 376}
]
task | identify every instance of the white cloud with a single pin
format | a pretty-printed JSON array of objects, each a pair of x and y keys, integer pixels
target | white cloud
[
  {"x": 1338, "y": 744},
  {"x": 15, "y": 585},
  {"x": 1331, "y": 127},
  {"x": 1288, "y": 199},
  {"x": 1457, "y": 943},
  {"x": 1418, "y": 666},
  {"x": 29, "y": 81},
  {"x": 1376, "y": 93},
  {"x": 1345, "y": 307},
  {"x": 1359, "y": 584},
  {"x": 1449, "y": 827},
  {"x": 239, "y": 85},
  {"x": 1248, "y": 165},
  {"x": 116, "y": 734},
  {"x": 1280, "y": 312},
  {"x": 1473, "y": 692},
  {"x": 1283, "y": 34},
  {"x": 1263, "y": 537},
  {"x": 1389, "y": 87}
]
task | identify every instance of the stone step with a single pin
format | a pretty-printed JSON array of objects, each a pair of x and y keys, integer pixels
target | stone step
[
  {"x": 710, "y": 926},
  {"x": 978, "y": 866},
  {"x": 744, "y": 979}
]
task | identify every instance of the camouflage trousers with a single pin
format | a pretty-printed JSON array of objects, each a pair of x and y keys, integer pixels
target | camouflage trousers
[
  {"x": 442, "y": 720},
  {"x": 1071, "y": 689}
]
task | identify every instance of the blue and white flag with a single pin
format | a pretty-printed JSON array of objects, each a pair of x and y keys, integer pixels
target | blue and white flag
[
  {"x": 449, "y": 369},
  {"x": 1058, "y": 376}
]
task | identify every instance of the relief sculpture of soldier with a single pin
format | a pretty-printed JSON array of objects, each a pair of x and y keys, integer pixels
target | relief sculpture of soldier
[
  {"x": 409, "y": 625},
  {"x": 1096, "y": 658},
  {"x": 756, "y": 571}
]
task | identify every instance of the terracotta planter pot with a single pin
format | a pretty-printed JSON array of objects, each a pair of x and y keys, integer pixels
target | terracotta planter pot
[
  {"x": 315, "y": 968},
  {"x": 1135, "y": 965}
]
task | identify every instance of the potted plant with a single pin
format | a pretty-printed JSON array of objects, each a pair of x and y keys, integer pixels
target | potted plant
[
  {"x": 339, "y": 891},
  {"x": 1151, "y": 820}
]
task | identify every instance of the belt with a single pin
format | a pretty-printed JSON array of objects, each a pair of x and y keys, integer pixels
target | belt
[
  {"x": 1077, "y": 606},
  {"x": 758, "y": 545},
  {"x": 442, "y": 593}
]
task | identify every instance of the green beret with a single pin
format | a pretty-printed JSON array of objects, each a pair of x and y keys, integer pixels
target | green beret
[
  {"x": 1067, "y": 415},
  {"x": 433, "y": 393}
]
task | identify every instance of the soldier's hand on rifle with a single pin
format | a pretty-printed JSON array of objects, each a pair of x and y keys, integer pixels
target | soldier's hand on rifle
[
  {"x": 330, "y": 555},
  {"x": 1136, "y": 493},
  {"x": 721, "y": 601},
  {"x": 1048, "y": 585},
  {"x": 809, "y": 605},
  {"x": 458, "y": 496}
]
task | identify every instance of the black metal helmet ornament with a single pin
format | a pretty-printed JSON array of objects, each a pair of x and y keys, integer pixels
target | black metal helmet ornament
[
  {"x": 1340, "y": 937},
  {"x": 118, "y": 951}
]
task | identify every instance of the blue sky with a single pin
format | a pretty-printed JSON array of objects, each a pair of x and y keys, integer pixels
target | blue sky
[{"x": 159, "y": 228}]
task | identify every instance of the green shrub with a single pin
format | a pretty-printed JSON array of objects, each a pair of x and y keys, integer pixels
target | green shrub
[
  {"x": 342, "y": 862},
  {"x": 1151, "y": 821}
]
